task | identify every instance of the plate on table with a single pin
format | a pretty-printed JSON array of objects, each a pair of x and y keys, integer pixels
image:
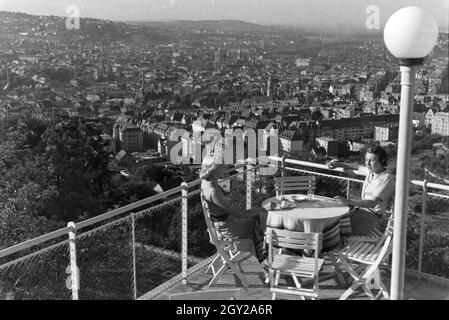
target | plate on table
[
  {"x": 286, "y": 204},
  {"x": 299, "y": 198}
]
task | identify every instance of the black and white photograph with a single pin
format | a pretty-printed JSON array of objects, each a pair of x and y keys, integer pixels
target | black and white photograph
[{"x": 216, "y": 150}]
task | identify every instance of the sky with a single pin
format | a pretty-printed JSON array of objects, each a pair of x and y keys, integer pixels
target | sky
[{"x": 315, "y": 13}]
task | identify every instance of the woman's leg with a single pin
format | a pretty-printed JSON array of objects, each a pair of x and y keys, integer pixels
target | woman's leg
[
  {"x": 242, "y": 228},
  {"x": 362, "y": 222},
  {"x": 259, "y": 233},
  {"x": 261, "y": 214}
]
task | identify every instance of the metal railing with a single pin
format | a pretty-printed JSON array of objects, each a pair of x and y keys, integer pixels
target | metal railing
[
  {"x": 142, "y": 248},
  {"x": 121, "y": 254}
]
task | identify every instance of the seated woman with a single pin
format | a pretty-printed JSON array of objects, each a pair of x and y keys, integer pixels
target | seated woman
[
  {"x": 230, "y": 222},
  {"x": 376, "y": 192}
]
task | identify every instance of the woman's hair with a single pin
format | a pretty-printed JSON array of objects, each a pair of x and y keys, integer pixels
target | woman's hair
[
  {"x": 381, "y": 154},
  {"x": 208, "y": 166}
]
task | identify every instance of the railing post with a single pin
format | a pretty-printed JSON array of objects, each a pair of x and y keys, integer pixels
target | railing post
[
  {"x": 283, "y": 165},
  {"x": 184, "y": 232},
  {"x": 249, "y": 187},
  {"x": 133, "y": 230},
  {"x": 74, "y": 271},
  {"x": 348, "y": 189},
  {"x": 421, "y": 228}
]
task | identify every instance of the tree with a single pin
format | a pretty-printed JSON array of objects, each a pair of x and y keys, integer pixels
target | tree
[
  {"x": 146, "y": 173},
  {"x": 391, "y": 150},
  {"x": 20, "y": 216},
  {"x": 444, "y": 87},
  {"x": 74, "y": 152},
  {"x": 76, "y": 163},
  {"x": 317, "y": 115},
  {"x": 65, "y": 160},
  {"x": 24, "y": 190},
  {"x": 436, "y": 244}
]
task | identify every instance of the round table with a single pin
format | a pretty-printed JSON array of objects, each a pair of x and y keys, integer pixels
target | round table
[{"x": 317, "y": 214}]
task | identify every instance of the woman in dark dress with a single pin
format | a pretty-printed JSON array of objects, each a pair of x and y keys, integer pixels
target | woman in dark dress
[{"x": 230, "y": 222}]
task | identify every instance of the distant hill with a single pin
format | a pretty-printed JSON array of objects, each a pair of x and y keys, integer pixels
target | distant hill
[
  {"x": 91, "y": 28},
  {"x": 212, "y": 25}
]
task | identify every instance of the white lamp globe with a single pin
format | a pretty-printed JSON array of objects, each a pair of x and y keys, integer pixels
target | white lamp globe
[{"x": 410, "y": 33}]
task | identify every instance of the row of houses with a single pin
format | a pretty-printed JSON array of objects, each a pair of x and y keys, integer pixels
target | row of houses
[
  {"x": 294, "y": 127},
  {"x": 292, "y": 132}
]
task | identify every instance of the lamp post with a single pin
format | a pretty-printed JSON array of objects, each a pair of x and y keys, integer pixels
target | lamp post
[{"x": 410, "y": 35}]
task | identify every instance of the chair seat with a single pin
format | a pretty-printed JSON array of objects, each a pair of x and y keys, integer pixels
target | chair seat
[
  {"x": 301, "y": 266},
  {"x": 364, "y": 252},
  {"x": 373, "y": 236}
]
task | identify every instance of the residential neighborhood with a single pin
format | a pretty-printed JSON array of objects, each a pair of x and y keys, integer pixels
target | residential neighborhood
[{"x": 305, "y": 86}]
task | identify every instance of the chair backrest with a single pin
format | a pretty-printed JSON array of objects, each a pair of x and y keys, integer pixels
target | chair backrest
[
  {"x": 210, "y": 227},
  {"x": 294, "y": 240},
  {"x": 226, "y": 294},
  {"x": 294, "y": 183},
  {"x": 384, "y": 243}
]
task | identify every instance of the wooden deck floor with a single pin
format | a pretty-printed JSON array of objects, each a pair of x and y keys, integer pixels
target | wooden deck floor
[
  {"x": 329, "y": 289},
  {"x": 258, "y": 290}
]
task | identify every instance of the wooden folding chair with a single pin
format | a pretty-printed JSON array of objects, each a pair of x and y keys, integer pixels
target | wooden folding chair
[
  {"x": 294, "y": 266},
  {"x": 368, "y": 257},
  {"x": 226, "y": 294},
  {"x": 294, "y": 183},
  {"x": 228, "y": 256}
]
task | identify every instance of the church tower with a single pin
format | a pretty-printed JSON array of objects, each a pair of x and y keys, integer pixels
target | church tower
[{"x": 269, "y": 86}]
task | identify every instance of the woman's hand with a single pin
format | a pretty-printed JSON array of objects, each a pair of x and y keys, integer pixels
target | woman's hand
[
  {"x": 342, "y": 200},
  {"x": 333, "y": 164}
]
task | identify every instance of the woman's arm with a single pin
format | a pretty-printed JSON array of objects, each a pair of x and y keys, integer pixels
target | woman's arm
[
  {"x": 365, "y": 203},
  {"x": 359, "y": 202},
  {"x": 333, "y": 164},
  {"x": 222, "y": 201}
]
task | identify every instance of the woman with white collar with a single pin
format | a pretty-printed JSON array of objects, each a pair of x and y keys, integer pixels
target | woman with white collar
[{"x": 376, "y": 192}]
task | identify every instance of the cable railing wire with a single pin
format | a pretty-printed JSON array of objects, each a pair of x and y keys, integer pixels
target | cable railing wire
[{"x": 41, "y": 275}]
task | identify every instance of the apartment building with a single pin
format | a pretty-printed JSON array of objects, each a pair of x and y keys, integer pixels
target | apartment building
[
  {"x": 130, "y": 137},
  {"x": 291, "y": 141},
  {"x": 329, "y": 144},
  {"x": 440, "y": 124},
  {"x": 387, "y": 132}
]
